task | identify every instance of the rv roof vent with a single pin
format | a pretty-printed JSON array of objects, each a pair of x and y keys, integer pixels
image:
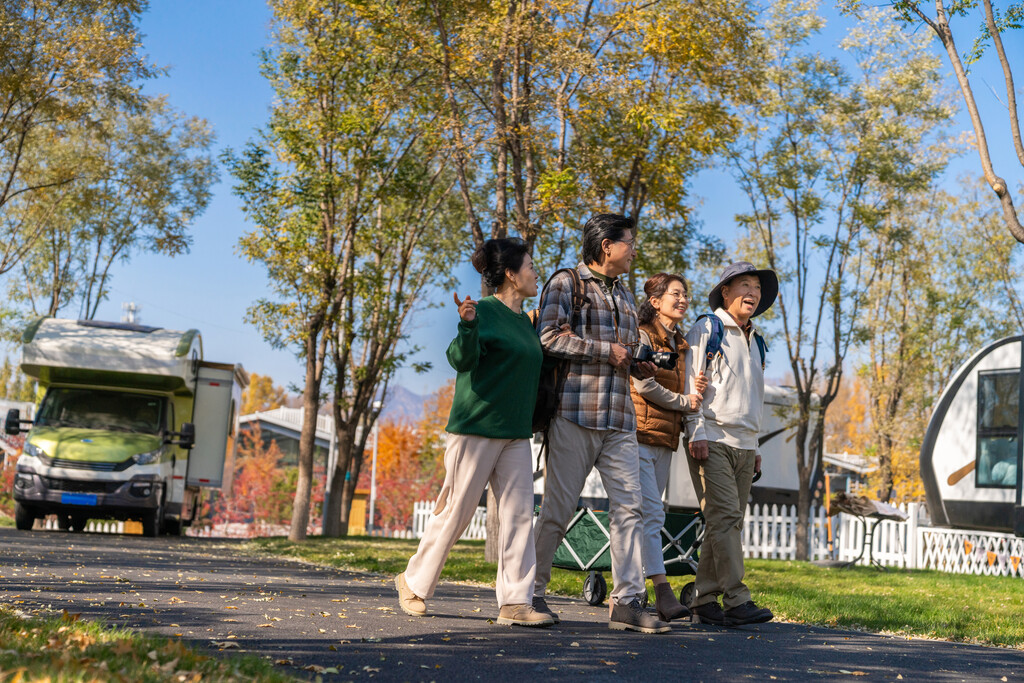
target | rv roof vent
[{"x": 131, "y": 327}]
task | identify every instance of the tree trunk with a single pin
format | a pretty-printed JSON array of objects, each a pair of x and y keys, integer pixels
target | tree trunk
[
  {"x": 803, "y": 501},
  {"x": 333, "y": 526},
  {"x": 349, "y": 488},
  {"x": 307, "y": 439}
]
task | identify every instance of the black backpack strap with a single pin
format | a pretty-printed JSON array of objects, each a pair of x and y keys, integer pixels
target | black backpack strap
[{"x": 579, "y": 299}]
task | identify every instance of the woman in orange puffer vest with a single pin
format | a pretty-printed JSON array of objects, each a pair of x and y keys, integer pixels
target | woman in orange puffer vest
[{"x": 660, "y": 403}]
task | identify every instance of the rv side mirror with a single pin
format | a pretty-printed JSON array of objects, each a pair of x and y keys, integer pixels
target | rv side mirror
[
  {"x": 13, "y": 423},
  {"x": 188, "y": 435}
]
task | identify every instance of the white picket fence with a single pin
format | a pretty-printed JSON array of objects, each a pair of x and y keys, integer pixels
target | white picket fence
[
  {"x": 424, "y": 510},
  {"x": 770, "y": 532}
]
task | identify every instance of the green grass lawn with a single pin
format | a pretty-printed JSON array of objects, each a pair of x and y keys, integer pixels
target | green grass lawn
[
  {"x": 5, "y": 520},
  {"x": 62, "y": 648},
  {"x": 977, "y": 609}
]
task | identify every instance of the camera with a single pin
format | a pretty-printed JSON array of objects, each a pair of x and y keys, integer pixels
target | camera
[{"x": 666, "y": 360}]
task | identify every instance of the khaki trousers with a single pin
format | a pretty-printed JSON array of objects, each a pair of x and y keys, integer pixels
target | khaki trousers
[
  {"x": 722, "y": 483},
  {"x": 655, "y": 462},
  {"x": 574, "y": 451},
  {"x": 470, "y": 462}
]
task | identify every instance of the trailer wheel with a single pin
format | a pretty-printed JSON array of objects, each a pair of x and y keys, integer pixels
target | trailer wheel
[
  {"x": 686, "y": 594},
  {"x": 595, "y": 588},
  {"x": 78, "y": 523},
  {"x": 24, "y": 518}
]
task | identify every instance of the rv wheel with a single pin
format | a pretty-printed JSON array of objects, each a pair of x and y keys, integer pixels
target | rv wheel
[
  {"x": 78, "y": 523},
  {"x": 23, "y": 517},
  {"x": 152, "y": 522},
  {"x": 595, "y": 588}
]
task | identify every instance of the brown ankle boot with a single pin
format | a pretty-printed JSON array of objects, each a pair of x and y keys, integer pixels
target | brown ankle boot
[{"x": 667, "y": 605}]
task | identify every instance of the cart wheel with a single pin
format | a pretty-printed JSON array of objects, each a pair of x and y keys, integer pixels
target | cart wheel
[
  {"x": 686, "y": 594},
  {"x": 595, "y": 588}
]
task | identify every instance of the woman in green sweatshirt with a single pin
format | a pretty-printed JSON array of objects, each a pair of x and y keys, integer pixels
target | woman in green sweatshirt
[{"x": 497, "y": 356}]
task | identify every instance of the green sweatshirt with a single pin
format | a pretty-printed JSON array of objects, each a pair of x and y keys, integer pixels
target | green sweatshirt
[{"x": 498, "y": 358}]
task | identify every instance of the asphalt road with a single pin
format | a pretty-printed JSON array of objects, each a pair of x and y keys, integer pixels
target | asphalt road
[{"x": 207, "y": 592}]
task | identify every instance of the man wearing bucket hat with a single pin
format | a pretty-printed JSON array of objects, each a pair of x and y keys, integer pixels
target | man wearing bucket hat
[{"x": 723, "y": 437}]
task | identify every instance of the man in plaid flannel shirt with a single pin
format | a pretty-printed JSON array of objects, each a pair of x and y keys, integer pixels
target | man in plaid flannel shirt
[{"x": 596, "y": 424}]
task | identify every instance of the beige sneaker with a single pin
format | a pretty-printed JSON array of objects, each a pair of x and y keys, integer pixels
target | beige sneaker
[
  {"x": 523, "y": 615},
  {"x": 410, "y": 603}
]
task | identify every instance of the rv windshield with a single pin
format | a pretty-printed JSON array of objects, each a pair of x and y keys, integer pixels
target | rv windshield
[{"x": 98, "y": 409}]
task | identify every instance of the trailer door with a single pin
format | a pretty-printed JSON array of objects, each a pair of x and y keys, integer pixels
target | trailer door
[{"x": 213, "y": 416}]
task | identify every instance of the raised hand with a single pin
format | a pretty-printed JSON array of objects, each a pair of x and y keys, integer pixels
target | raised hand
[{"x": 467, "y": 308}]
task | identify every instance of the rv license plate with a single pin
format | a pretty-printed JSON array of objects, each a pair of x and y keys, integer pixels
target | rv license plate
[{"x": 78, "y": 498}]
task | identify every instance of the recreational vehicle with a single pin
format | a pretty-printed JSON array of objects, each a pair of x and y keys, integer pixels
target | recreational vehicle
[
  {"x": 779, "y": 482},
  {"x": 972, "y": 452},
  {"x": 132, "y": 423}
]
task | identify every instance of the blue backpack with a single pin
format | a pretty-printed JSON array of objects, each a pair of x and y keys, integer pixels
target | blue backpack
[{"x": 714, "y": 347}]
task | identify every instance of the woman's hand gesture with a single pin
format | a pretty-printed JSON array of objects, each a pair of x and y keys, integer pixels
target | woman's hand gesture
[{"x": 467, "y": 308}]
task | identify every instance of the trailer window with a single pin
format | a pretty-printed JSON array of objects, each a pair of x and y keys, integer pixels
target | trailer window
[
  {"x": 97, "y": 409},
  {"x": 998, "y": 420}
]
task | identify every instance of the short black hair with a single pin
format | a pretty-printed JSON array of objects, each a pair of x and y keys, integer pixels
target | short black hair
[
  {"x": 495, "y": 256},
  {"x": 601, "y": 227}
]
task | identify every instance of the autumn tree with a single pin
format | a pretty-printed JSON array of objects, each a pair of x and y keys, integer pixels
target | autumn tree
[
  {"x": 921, "y": 327},
  {"x": 347, "y": 187},
  {"x": 62, "y": 61},
  {"x": 262, "y": 394},
  {"x": 994, "y": 23},
  {"x": 828, "y": 152},
  {"x": 553, "y": 110},
  {"x": 144, "y": 175}
]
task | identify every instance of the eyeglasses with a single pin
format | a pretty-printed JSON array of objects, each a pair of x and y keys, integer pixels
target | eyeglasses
[{"x": 629, "y": 243}]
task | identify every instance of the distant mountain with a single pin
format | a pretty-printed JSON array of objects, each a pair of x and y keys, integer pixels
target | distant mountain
[{"x": 401, "y": 403}]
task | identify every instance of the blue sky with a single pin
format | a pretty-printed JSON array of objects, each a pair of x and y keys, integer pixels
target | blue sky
[{"x": 211, "y": 48}]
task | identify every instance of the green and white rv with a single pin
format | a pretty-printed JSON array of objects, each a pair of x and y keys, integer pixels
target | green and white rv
[{"x": 131, "y": 423}]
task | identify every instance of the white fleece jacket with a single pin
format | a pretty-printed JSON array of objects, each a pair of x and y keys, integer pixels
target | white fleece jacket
[{"x": 733, "y": 402}]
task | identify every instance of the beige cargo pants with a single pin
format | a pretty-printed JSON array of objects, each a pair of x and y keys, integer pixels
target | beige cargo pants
[{"x": 575, "y": 451}]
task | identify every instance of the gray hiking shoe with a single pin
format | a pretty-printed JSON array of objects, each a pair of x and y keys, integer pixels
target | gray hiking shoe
[
  {"x": 541, "y": 605},
  {"x": 633, "y": 617},
  {"x": 523, "y": 615}
]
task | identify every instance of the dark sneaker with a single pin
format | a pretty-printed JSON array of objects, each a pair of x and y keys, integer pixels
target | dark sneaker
[
  {"x": 541, "y": 605},
  {"x": 710, "y": 613},
  {"x": 633, "y": 617},
  {"x": 747, "y": 613}
]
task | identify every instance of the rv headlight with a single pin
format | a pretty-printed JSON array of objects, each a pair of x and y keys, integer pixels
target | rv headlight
[
  {"x": 33, "y": 450},
  {"x": 148, "y": 458}
]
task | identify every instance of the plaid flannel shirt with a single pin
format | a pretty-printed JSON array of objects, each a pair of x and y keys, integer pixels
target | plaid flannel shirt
[{"x": 595, "y": 395}]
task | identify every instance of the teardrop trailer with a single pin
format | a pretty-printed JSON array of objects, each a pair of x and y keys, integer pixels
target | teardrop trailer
[
  {"x": 132, "y": 424},
  {"x": 972, "y": 453}
]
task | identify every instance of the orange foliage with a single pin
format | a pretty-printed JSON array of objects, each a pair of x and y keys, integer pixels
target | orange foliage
[
  {"x": 410, "y": 461},
  {"x": 262, "y": 490},
  {"x": 847, "y": 427}
]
